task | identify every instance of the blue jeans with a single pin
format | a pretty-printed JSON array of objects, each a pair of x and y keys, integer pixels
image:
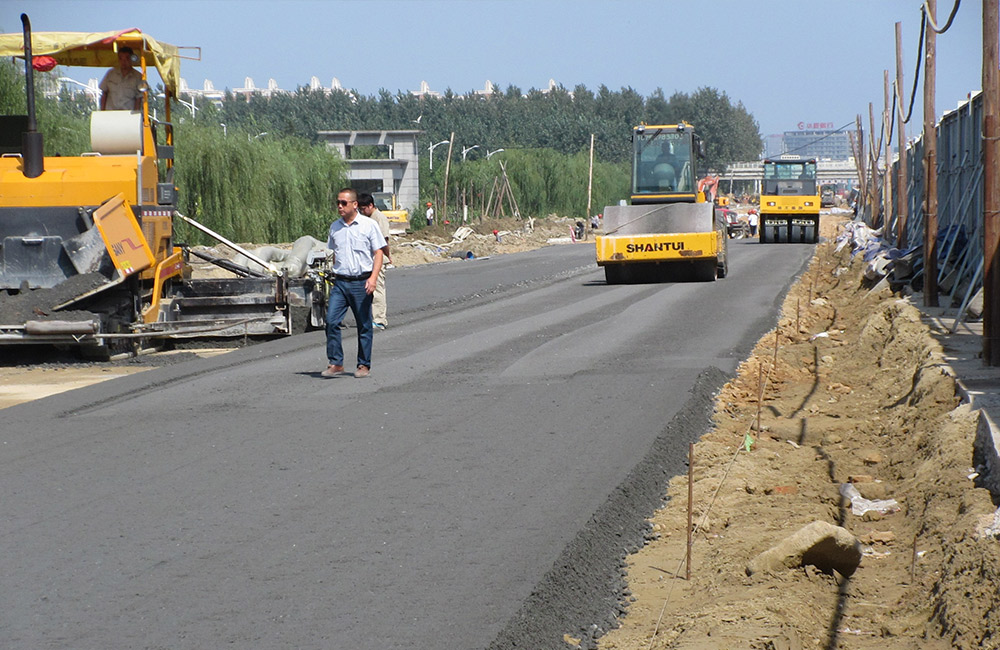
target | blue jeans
[{"x": 353, "y": 295}]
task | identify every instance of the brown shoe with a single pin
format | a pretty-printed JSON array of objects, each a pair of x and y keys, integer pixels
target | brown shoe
[
  {"x": 361, "y": 372},
  {"x": 332, "y": 371}
]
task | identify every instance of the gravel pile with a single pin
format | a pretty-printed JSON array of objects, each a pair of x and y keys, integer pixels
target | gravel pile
[{"x": 38, "y": 304}]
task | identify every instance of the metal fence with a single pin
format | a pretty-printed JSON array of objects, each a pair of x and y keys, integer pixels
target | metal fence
[{"x": 960, "y": 203}]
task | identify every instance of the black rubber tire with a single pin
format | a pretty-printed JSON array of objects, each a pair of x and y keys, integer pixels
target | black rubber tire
[{"x": 704, "y": 270}]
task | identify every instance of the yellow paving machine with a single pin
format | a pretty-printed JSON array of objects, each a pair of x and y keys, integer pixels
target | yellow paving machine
[
  {"x": 670, "y": 231},
  {"x": 87, "y": 251}
]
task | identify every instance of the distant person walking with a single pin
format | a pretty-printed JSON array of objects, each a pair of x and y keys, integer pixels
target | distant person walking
[
  {"x": 366, "y": 206},
  {"x": 430, "y": 214},
  {"x": 356, "y": 244},
  {"x": 752, "y": 219}
]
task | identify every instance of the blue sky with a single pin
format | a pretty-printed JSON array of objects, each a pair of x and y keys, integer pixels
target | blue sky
[{"x": 787, "y": 61}]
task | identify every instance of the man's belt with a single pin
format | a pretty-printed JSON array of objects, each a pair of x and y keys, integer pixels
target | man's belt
[{"x": 352, "y": 278}]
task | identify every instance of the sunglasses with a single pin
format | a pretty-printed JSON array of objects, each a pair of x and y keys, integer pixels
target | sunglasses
[{"x": 339, "y": 202}]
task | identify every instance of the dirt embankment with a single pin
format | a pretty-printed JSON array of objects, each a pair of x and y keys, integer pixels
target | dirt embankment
[{"x": 853, "y": 391}]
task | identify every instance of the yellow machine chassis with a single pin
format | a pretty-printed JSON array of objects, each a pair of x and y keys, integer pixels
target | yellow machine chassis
[
  {"x": 659, "y": 247},
  {"x": 785, "y": 205}
]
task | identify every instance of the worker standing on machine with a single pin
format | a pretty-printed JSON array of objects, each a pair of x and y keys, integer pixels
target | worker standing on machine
[{"x": 121, "y": 84}]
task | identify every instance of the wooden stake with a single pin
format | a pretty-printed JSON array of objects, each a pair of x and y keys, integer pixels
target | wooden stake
[
  {"x": 760, "y": 392},
  {"x": 690, "y": 536}
]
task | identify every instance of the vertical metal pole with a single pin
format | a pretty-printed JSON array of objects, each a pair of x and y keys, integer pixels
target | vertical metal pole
[
  {"x": 902, "y": 180},
  {"x": 991, "y": 185},
  {"x": 930, "y": 164},
  {"x": 690, "y": 539}
]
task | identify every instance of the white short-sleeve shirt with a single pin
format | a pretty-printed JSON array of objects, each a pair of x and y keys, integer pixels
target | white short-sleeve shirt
[
  {"x": 354, "y": 245},
  {"x": 122, "y": 90}
]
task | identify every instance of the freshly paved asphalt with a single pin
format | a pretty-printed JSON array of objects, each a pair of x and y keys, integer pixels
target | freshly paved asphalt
[{"x": 245, "y": 501}]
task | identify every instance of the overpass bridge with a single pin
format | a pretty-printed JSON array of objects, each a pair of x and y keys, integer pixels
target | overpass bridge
[{"x": 841, "y": 172}]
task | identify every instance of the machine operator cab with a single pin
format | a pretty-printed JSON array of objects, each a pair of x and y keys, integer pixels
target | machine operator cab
[{"x": 664, "y": 165}]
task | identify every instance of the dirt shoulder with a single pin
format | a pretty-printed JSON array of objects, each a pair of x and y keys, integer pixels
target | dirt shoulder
[{"x": 854, "y": 391}]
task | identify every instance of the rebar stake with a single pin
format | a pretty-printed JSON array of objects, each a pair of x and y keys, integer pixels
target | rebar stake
[{"x": 690, "y": 538}]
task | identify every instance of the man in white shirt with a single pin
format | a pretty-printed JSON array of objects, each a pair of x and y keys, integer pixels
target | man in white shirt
[
  {"x": 120, "y": 86},
  {"x": 356, "y": 244}
]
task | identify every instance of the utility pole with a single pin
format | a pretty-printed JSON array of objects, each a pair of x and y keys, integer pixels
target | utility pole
[
  {"x": 887, "y": 169},
  {"x": 991, "y": 185},
  {"x": 930, "y": 162},
  {"x": 590, "y": 183},
  {"x": 447, "y": 168},
  {"x": 902, "y": 177},
  {"x": 874, "y": 153}
]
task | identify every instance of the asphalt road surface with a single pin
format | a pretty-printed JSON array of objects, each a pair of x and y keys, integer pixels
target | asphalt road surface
[{"x": 479, "y": 490}]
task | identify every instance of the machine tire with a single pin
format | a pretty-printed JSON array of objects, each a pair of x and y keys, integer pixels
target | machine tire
[{"x": 705, "y": 270}]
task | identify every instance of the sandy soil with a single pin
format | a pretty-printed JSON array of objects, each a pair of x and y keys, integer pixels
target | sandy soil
[{"x": 853, "y": 391}]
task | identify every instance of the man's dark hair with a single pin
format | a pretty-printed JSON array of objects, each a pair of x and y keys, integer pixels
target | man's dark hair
[
  {"x": 351, "y": 191},
  {"x": 365, "y": 199}
]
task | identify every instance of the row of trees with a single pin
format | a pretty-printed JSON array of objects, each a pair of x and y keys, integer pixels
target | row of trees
[
  {"x": 557, "y": 119},
  {"x": 545, "y": 136}
]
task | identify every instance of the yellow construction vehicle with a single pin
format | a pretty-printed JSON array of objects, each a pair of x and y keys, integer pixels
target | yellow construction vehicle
[
  {"x": 670, "y": 231},
  {"x": 789, "y": 201},
  {"x": 87, "y": 255},
  {"x": 399, "y": 217}
]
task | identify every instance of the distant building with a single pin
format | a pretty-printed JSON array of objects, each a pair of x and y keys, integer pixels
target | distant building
[
  {"x": 812, "y": 140},
  {"x": 394, "y": 170},
  {"x": 425, "y": 91}
]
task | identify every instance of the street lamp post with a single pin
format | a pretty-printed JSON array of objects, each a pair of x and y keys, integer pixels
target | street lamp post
[
  {"x": 190, "y": 105},
  {"x": 432, "y": 152},
  {"x": 467, "y": 150},
  {"x": 90, "y": 90},
  {"x": 490, "y": 153}
]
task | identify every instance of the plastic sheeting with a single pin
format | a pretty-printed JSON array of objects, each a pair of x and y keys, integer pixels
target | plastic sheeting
[{"x": 98, "y": 49}]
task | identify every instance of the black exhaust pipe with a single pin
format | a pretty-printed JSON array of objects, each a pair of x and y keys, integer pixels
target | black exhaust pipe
[{"x": 32, "y": 153}]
